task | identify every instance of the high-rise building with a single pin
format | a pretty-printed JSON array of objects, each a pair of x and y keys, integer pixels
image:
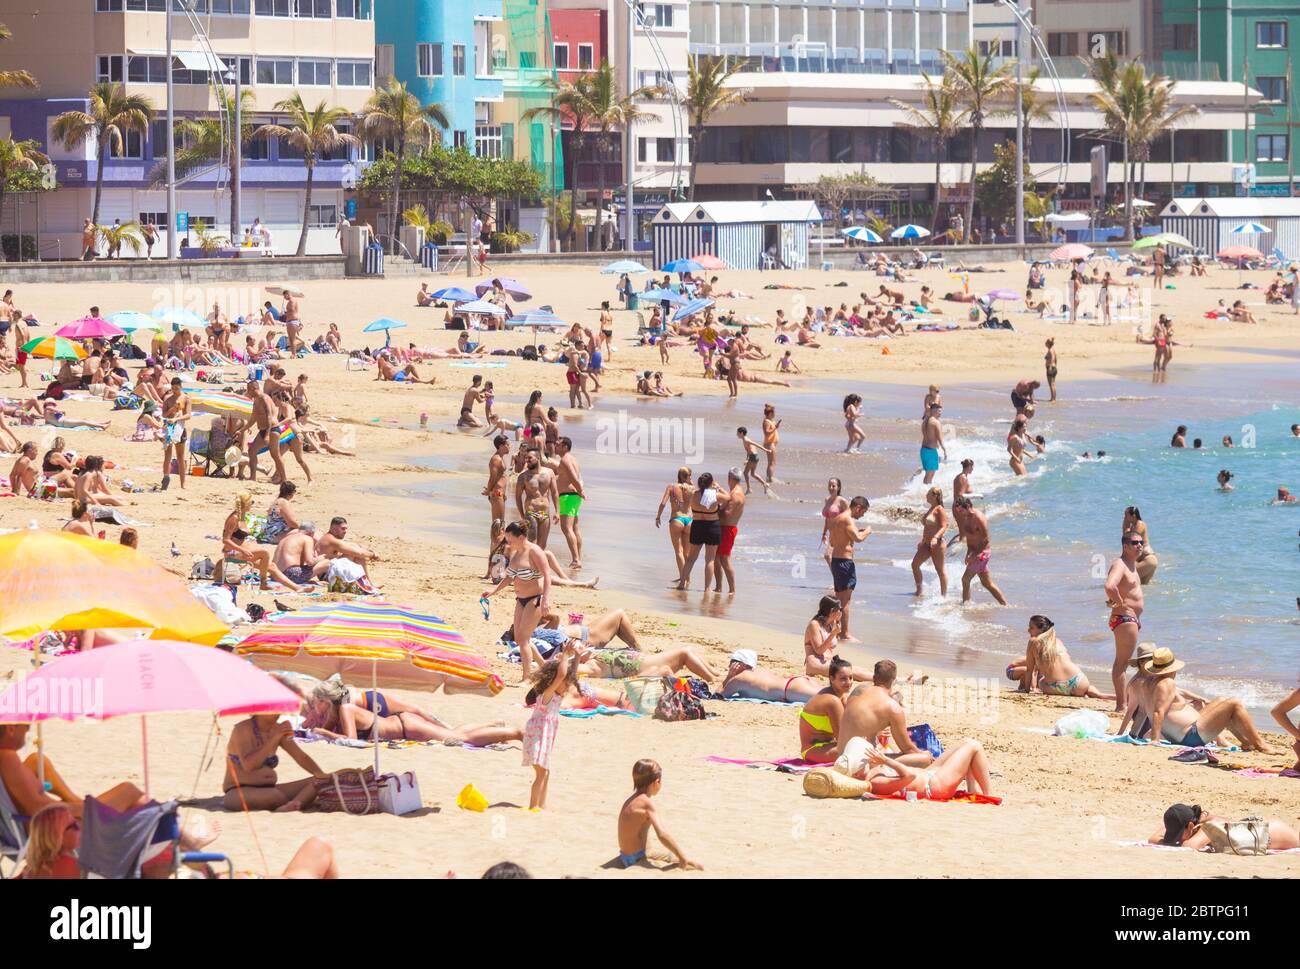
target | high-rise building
[{"x": 322, "y": 49}]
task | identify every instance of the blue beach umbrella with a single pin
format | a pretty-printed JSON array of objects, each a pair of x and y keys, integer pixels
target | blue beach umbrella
[
  {"x": 481, "y": 306},
  {"x": 910, "y": 231},
  {"x": 663, "y": 295},
  {"x": 385, "y": 324},
  {"x": 180, "y": 318},
  {"x": 454, "y": 294},
  {"x": 625, "y": 266},
  {"x": 130, "y": 321},
  {"x": 861, "y": 233},
  {"x": 682, "y": 266},
  {"x": 1251, "y": 229},
  {"x": 536, "y": 319},
  {"x": 691, "y": 308}
]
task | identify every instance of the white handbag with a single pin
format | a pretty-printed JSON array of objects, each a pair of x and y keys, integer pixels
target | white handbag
[{"x": 399, "y": 793}]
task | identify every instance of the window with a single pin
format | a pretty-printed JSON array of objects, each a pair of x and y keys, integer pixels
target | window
[
  {"x": 353, "y": 74},
  {"x": 641, "y": 149},
  {"x": 258, "y": 149},
  {"x": 527, "y": 59},
  {"x": 487, "y": 140},
  {"x": 458, "y": 139},
  {"x": 429, "y": 57},
  {"x": 1103, "y": 42},
  {"x": 108, "y": 6},
  {"x": 323, "y": 216},
  {"x": 1184, "y": 37},
  {"x": 1273, "y": 88},
  {"x": 1063, "y": 44},
  {"x": 996, "y": 48},
  {"x": 348, "y": 10},
  {"x": 109, "y": 68},
  {"x": 1270, "y": 33},
  {"x": 659, "y": 14},
  {"x": 665, "y": 149},
  {"x": 458, "y": 60},
  {"x": 245, "y": 70},
  {"x": 132, "y": 146},
  {"x": 1270, "y": 148},
  {"x": 154, "y": 218},
  {"x": 288, "y": 152},
  {"x": 274, "y": 8},
  {"x": 586, "y": 57},
  {"x": 147, "y": 70},
  {"x": 274, "y": 70},
  {"x": 199, "y": 6},
  {"x": 238, "y": 7},
  {"x": 158, "y": 140},
  {"x": 153, "y": 6},
  {"x": 314, "y": 73},
  {"x": 561, "y": 57}
]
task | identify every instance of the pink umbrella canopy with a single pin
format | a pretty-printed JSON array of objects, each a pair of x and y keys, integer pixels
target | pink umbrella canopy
[
  {"x": 88, "y": 328},
  {"x": 707, "y": 261},
  {"x": 145, "y": 676},
  {"x": 1071, "y": 250},
  {"x": 1004, "y": 294},
  {"x": 1239, "y": 252}
]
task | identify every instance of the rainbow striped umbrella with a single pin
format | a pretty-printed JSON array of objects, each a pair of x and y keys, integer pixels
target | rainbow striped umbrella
[
  {"x": 418, "y": 651},
  {"x": 221, "y": 402},
  {"x": 54, "y": 348}
]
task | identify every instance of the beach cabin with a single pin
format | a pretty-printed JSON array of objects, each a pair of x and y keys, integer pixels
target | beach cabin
[
  {"x": 1208, "y": 223},
  {"x": 745, "y": 235}
]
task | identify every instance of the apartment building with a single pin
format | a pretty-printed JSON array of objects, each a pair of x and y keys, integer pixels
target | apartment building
[{"x": 323, "y": 49}]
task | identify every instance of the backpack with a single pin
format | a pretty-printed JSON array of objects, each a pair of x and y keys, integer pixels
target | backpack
[{"x": 678, "y": 703}]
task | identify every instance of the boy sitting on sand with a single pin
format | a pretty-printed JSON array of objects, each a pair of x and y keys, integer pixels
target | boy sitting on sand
[{"x": 638, "y": 816}]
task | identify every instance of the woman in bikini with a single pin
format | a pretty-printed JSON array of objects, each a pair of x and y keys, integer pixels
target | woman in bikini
[
  {"x": 819, "y": 720},
  {"x": 335, "y": 712},
  {"x": 1049, "y": 362},
  {"x": 852, "y": 411},
  {"x": 938, "y": 782},
  {"x": 771, "y": 438},
  {"x": 705, "y": 532},
  {"x": 1148, "y": 561},
  {"x": 678, "y": 497},
  {"x": 530, "y": 575},
  {"x": 251, "y": 760},
  {"x": 835, "y": 504},
  {"x": 497, "y": 566},
  {"x": 1048, "y": 668},
  {"x": 820, "y": 637},
  {"x": 934, "y": 525}
]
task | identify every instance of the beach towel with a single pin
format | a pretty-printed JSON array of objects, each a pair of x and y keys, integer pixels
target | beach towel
[
  {"x": 601, "y": 711},
  {"x": 1148, "y": 844},
  {"x": 472, "y": 364},
  {"x": 792, "y": 763},
  {"x": 750, "y": 699}
]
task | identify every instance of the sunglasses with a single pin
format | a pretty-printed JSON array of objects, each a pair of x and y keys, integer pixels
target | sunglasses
[{"x": 1136, "y": 542}]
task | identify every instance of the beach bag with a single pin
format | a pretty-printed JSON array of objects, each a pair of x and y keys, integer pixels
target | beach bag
[
  {"x": 351, "y": 791},
  {"x": 399, "y": 793},
  {"x": 923, "y": 736},
  {"x": 1249, "y": 836},
  {"x": 678, "y": 702},
  {"x": 1082, "y": 724},
  {"x": 644, "y": 692}
]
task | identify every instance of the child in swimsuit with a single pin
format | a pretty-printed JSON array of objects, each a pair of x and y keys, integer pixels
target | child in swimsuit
[{"x": 638, "y": 816}]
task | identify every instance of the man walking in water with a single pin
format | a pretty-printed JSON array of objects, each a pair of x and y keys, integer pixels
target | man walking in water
[
  {"x": 1124, "y": 596},
  {"x": 844, "y": 534},
  {"x": 729, "y": 514},
  {"x": 495, "y": 491},
  {"x": 974, "y": 527},
  {"x": 568, "y": 478},
  {"x": 932, "y": 442}
]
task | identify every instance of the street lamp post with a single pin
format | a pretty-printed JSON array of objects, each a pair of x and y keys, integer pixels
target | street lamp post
[
  {"x": 629, "y": 145},
  {"x": 173, "y": 243},
  {"x": 1020, "y": 136},
  {"x": 236, "y": 161}
]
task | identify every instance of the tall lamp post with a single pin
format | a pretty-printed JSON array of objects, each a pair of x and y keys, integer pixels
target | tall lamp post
[
  {"x": 173, "y": 243},
  {"x": 629, "y": 144},
  {"x": 236, "y": 158}
]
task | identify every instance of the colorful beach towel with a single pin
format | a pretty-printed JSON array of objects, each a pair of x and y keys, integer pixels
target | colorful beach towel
[
  {"x": 797, "y": 763},
  {"x": 601, "y": 711}
]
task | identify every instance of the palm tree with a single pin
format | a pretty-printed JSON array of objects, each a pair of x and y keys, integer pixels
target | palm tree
[
  {"x": 1157, "y": 116},
  {"x": 396, "y": 115},
  {"x": 980, "y": 86},
  {"x": 707, "y": 94},
  {"x": 570, "y": 101},
  {"x": 610, "y": 111},
  {"x": 15, "y": 157},
  {"x": 939, "y": 114},
  {"x": 314, "y": 132},
  {"x": 114, "y": 237},
  {"x": 1034, "y": 107},
  {"x": 14, "y": 78},
  {"x": 112, "y": 116}
]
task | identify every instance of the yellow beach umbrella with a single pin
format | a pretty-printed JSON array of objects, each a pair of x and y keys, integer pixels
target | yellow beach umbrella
[{"x": 62, "y": 581}]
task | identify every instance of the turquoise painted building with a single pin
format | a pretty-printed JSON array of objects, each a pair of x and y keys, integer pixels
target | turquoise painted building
[
  {"x": 443, "y": 51},
  {"x": 1254, "y": 40}
]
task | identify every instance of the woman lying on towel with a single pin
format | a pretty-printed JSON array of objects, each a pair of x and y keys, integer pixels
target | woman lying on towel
[
  {"x": 584, "y": 696},
  {"x": 1183, "y": 825},
  {"x": 938, "y": 782},
  {"x": 337, "y": 710}
]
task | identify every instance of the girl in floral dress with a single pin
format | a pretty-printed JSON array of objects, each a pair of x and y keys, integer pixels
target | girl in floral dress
[{"x": 550, "y": 684}]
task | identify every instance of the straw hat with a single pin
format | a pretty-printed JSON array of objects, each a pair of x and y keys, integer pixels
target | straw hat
[
  {"x": 1144, "y": 653},
  {"x": 1162, "y": 663},
  {"x": 822, "y": 782}
]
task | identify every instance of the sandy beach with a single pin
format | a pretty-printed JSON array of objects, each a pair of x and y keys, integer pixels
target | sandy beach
[{"x": 1069, "y": 805}]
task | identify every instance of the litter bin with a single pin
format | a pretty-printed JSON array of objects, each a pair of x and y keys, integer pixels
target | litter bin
[{"x": 633, "y": 301}]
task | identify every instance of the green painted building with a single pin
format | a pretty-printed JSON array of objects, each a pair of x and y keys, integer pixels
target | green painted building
[{"x": 1250, "y": 39}]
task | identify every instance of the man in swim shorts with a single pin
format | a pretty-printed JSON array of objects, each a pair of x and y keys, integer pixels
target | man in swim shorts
[
  {"x": 872, "y": 708},
  {"x": 844, "y": 533},
  {"x": 729, "y": 515},
  {"x": 932, "y": 442},
  {"x": 568, "y": 479},
  {"x": 1125, "y": 598},
  {"x": 1022, "y": 396},
  {"x": 974, "y": 527}
]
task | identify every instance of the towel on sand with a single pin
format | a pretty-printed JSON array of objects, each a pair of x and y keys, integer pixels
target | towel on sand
[{"x": 601, "y": 710}]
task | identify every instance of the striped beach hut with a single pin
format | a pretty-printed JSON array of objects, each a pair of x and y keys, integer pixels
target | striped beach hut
[
  {"x": 740, "y": 233},
  {"x": 1208, "y": 222}
]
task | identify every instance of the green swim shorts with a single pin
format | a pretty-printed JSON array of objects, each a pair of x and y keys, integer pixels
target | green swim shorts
[
  {"x": 616, "y": 664},
  {"x": 569, "y": 505}
]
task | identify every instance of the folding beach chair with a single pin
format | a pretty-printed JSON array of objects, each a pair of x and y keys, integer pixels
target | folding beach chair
[
  {"x": 13, "y": 834},
  {"x": 143, "y": 842},
  {"x": 936, "y": 259}
]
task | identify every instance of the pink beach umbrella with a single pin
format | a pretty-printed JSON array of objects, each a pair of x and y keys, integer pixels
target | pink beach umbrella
[
  {"x": 89, "y": 328},
  {"x": 141, "y": 677},
  {"x": 1070, "y": 251},
  {"x": 708, "y": 261}
]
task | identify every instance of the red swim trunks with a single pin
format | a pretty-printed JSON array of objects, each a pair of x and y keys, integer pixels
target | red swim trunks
[
  {"x": 1119, "y": 620},
  {"x": 728, "y": 539}
]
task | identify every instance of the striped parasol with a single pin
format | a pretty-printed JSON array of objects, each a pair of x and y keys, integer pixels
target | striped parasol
[
  {"x": 54, "y": 348},
  {"x": 221, "y": 402},
  {"x": 372, "y": 631}
]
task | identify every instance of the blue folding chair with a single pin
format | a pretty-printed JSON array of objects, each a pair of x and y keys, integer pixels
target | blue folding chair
[{"x": 13, "y": 834}]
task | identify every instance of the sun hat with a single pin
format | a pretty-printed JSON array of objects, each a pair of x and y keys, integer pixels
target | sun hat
[
  {"x": 1162, "y": 662},
  {"x": 746, "y": 657},
  {"x": 1144, "y": 653}
]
